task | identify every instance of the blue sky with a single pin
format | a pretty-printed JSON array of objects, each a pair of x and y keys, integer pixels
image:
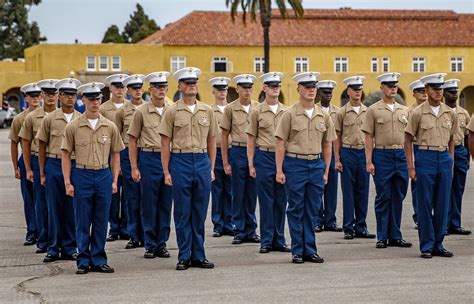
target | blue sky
[{"x": 62, "y": 21}]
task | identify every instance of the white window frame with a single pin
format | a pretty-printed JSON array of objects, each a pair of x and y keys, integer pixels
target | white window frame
[
  {"x": 339, "y": 63},
  {"x": 417, "y": 63},
  {"x": 180, "y": 62},
  {"x": 87, "y": 63},
  {"x": 374, "y": 62},
  {"x": 457, "y": 60},
  {"x": 106, "y": 63},
  {"x": 385, "y": 61},
  {"x": 260, "y": 63},
  {"x": 301, "y": 64},
  {"x": 219, "y": 59},
  {"x": 119, "y": 63}
]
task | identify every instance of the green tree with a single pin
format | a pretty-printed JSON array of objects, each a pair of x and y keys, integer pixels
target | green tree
[
  {"x": 112, "y": 35},
  {"x": 139, "y": 26},
  {"x": 16, "y": 33},
  {"x": 264, "y": 7}
]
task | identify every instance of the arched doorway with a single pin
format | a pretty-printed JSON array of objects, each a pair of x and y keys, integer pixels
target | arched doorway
[
  {"x": 177, "y": 96},
  {"x": 261, "y": 97},
  {"x": 15, "y": 99},
  {"x": 345, "y": 97},
  {"x": 466, "y": 99},
  {"x": 231, "y": 94}
]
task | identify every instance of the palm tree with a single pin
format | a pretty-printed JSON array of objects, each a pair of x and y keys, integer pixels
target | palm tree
[{"x": 265, "y": 9}]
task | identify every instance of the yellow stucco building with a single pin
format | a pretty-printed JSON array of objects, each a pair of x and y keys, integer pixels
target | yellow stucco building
[{"x": 336, "y": 43}]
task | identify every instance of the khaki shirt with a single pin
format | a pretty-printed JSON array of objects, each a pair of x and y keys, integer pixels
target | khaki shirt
[
  {"x": 332, "y": 111},
  {"x": 92, "y": 147},
  {"x": 188, "y": 130},
  {"x": 235, "y": 120},
  {"x": 304, "y": 135},
  {"x": 470, "y": 126},
  {"x": 17, "y": 123},
  {"x": 411, "y": 108},
  {"x": 387, "y": 127},
  {"x": 263, "y": 123},
  {"x": 108, "y": 109},
  {"x": 145, "y": 124},
  {"x": 463, "y": 121},
  {"x": 52, "y": 129},
  {"x": 123, "y": 118},
  {"x": 31, "y": 126},
  {"x": 431, "y": 130},
  {"x": 349, "y": 123},
  {"x": 218, "y": 115}
]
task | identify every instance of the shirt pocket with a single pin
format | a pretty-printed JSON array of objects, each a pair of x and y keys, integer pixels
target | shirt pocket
[
  {"x": 56, "y": 140},
  {"x": 428, "y": 134},
  {"x": 82, "y": 150},
  {"x": 104, "y": 149},
  {"x": 383, "y": 125}
]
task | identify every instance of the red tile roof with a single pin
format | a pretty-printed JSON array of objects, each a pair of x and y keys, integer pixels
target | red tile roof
[{"x": 340, "y": 27}]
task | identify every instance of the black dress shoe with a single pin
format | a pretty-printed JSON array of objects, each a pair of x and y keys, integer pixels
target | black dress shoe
[
  {"x": 381, "y": 244},
  {"x": 103, "y": 268},
  {"x": 348, "y": 235},
  {"x": 416, "y": 227},
  {"x": 460, "y": 231},
  {"x": 318, "y": 229},
  {"x": 399, "y": 243},
  {"x": 333, "y": 228},
  {"x": 124, "y": 237},
  {"x": 426, "y": 255},
  {"x": 132, "y": 244},
  {"x": 236, "y": 241},
  {"x": 149, "y": 254},
  {"x": 217, "y": 234},
  {"x": 50, "y": 258},
  {"x": 29, "y": 242},
  {"x": 264, "y": 250},
  {"x": 82, "y": 270},
  {"x": 202, "y": 264},
  {"x": 297, "y": 259},
  {"x": 443, "y": 253},
  {"x": 282, "y": 249},
  {"x": 314, "y": 258},
  {"x": 227, "y": 232},
  {"x": 41, "y": 250},
  {"x": 162, "y": 253},
  {"x": 253, "y": 239},
  {"x": 67, "y": 257},
  {"x": 364, "y": 235},
  {"x": 183, "y": 265},
  {"x": 111, "y": 238}
]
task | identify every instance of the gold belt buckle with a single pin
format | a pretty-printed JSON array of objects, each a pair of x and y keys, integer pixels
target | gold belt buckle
[
  {"x": 311, "y": 157},
  {"x": 360, "y": 147},
  {"x": 440, "y": 148}
]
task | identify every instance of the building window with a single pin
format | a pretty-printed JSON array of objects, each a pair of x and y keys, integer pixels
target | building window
[
  {"x": 177, "y": 63},
  {"x": 457, "y": 64},
  {"x": 116, "y": 63},
  {"x": 219, "y": 64},
  {"x": 386, "y": 64},
  {"x": 374, "y": 66},
  {"x": 259, "y": 64},
  {"x": 341, "y": 65},
  {"x": 90, "y": 63},
  {"x": 103, "y": 63},
  {"x": 419, "y": 64},
  {"x": 301, "y": 64}
]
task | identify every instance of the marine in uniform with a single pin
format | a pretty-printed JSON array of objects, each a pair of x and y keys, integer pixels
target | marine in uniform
[
  {"x": 188, "y": 151},
  {"x": 118, "y": 207},
  {"x": 93, "y": 140},
  {"x": 419, "y": 93},
  {"x": 244, "y": 190},
  {"x": 434, "y": 125},
  {"x": 304, "y": 138},
  {"x": 61, "y": 228},
  {"x": 221, "y": 188},
  {"x": 272, "y": 197},
  {"x": 155, "y": 195},
  {"x": 384, "y": 127},
  {"x": 326, "y": 217},
  {"x": 461, "y": 158},
  {"x": 30, "y": 148},
  {"x": 131, "y": 189},
  {"x": 32, "y": 93},
  {"x": 349, "y": 154}
]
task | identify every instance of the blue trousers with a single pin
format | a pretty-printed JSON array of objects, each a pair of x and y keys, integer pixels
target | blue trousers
[
  {"x": 41, "y": 208},
  {"x": 118, "y": 212},
  {"x": 355, "y": 190},
  {"x": 433, "y": 185},
  {"x": 272, "y": 199},
  {"x": 305, "y": 187},
  {"x": 61, "y": 227},
  {"x": 327, "y": 213},
  {"x": 92, "y": 196},
  {"x": 156, "y": 201},
  {"x": 413, "y": 193},
  {"x": 461, "y": 164},
  {"x": 244, "y": 195},
  {"x": 191, "y": 174},
  {"x": 28, "y": 202},
  {"x": 221, "y": 190},
  {"x": 131, "y": 192},
  {"x": 391, "y": 185}
]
